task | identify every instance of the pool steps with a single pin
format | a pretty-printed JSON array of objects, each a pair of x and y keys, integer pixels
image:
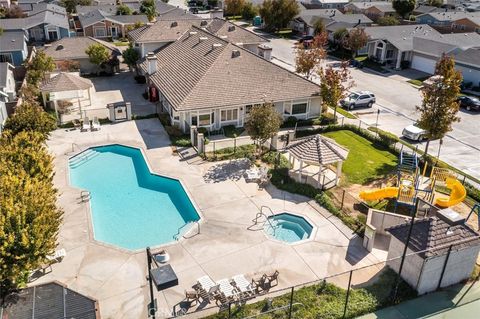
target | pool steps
[{"x": 82, "y": 158}]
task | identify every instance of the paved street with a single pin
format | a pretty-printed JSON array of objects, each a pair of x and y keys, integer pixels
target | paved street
[{"x": 396, "y": 100}]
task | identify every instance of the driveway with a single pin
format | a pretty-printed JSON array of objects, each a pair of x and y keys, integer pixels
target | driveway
[{"x": 396, "y": 100}]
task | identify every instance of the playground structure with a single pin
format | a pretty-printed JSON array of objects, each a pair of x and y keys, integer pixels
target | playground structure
[{"x": 411, "y": 184}]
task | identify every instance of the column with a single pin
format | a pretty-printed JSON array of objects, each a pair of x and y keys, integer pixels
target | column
[
  {"x": 320, "y": 167},
  {"x": 193, "y": 128},
  {"x": 339, "y": 172},
  {"x": 399, "y": 60},
  {"x": 300, "y": 172}
]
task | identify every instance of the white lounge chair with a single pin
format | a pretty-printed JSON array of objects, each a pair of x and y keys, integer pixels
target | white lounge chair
[
  {"x": 206, "y": 283},
  {"x": 85, "y": 124},
  {"x": 252, "y": 175},
  {"x": 95, "y": 124},
  {"x": 227, "y": 290},
  {"x": 57, "y": 256},
  {"x": 243, "y": 285}
]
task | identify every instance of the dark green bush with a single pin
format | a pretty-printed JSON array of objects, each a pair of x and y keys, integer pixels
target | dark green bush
[
  {"x": 271, "y": 158},
  {"x": 284, "y": 182},
  {"x": 173, "y": 131}
]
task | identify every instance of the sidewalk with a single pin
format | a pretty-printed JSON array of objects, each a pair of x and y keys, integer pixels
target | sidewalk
[{"x": 458, "y": 301}]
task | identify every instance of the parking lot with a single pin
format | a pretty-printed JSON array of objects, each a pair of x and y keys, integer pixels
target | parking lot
[{"x": 397, "y": 100}]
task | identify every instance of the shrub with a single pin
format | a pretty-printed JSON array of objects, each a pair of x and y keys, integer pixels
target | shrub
[
  {"x": 271, "y": 158},
  {"x": 202, "y": 130},
  {"x": 283, "y": 181},
  {"x": 173, "y": 131},
  {"x": 183, "y": 141},
  {"x": 164, "y": 119}
]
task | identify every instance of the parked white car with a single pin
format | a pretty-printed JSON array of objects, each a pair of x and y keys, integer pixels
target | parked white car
[{"x": 414, "y": 133}]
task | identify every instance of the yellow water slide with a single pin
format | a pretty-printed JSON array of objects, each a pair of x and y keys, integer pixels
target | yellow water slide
[
  {"x": 457, "y": 195},
  {"x": 378, "y": 194}
]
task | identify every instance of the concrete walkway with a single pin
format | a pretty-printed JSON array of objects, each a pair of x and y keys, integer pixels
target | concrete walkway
[
  {"x": 459, "y": 301},
  {"x": 225, "y": 246}
]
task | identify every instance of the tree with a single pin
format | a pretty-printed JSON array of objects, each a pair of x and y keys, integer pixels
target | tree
[
  {"x": 435, "y": 3},
  {"x": 403, "y": 7},
  {"x": 356, "y": 39},
  {"x": 439, "y": 100},
  {"x": 97, "y": 54},
  {"x": 148, "y": 8},
  {"x": 29, "y": 116},
  {"x": 130, "y": 57},
  {"x": 134, "y": 26},
  {"x": 339, "y": 35},
  {"x": 319, "y": 26},
  {"x": 277, "y": 14},
  {"x": 124, "y": 10},
  {"x": 263, "y": 123},
  {"x": 333, "y": 86},
  {"x": 388, "y": 20},
  {"x": 234, "y": 7},
  {"x": 38, "y": 67},
  {"x": 249, "y": 11},
  {"x": 26, "y": 151},
  {"x": 14, "y": 12},
  {"x": 308, "y": 59},
  {"x": 29, "y": 227},
  {"x": 70, "y": 5}
]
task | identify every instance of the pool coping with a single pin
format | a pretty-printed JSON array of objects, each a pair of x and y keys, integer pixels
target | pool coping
[
  {"x": 91, "y": 231},
  {"x": 310, "y": 238}
]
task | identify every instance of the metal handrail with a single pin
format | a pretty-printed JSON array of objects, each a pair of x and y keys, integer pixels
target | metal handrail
[
  {"x": 84, "y": 195},
  {"x": 261, "y": 213},
  {"x": 73, "y": 147},
  {"x": 198, "y": 229}
]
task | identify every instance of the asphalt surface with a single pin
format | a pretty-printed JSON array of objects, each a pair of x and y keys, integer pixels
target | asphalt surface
[{"x": 397, "y": 100}]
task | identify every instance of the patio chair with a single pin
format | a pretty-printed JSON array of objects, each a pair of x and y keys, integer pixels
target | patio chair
[
  {"x": 85, "y": 124},
  {"x": 205, "y": 283},
  {"x": 243, "y": 286},
  {"x": 272, "y": 278},
  {"x": 259, "y": 283},
  {"x": 192, "y": 297},
  {"x": 95, "y": 124},
  {"x": 76, "y": 124},
  {"x": 252, "y": 175},
  {"x": 57, "y": 256}
]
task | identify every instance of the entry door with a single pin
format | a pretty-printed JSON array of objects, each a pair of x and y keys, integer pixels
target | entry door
[{"x": 114, "y": 32}]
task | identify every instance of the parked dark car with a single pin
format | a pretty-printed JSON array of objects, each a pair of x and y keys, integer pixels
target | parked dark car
[{"x": 470, "y": 103}]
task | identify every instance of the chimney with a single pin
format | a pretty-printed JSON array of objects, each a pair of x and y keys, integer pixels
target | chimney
[
  {"x": 265, "y": 51},
  {"x": 151, "y": 63},
  {"x": 235, "y": 53},
  {"x": 231, "y": 28},
  {"x": 201, "y": 39},
  {"x": 203, "y": 23},
  {"x": 174, "y": 24},
  {"x": 216, "y": 45}
]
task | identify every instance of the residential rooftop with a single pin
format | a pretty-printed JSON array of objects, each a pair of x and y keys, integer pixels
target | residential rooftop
[
  {"x": 74, "y": 48},
  {"x": 401, "y": 36},
  {"x": 12, "y": 41}
]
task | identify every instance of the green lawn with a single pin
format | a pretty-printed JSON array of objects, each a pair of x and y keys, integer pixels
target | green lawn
[
  {"x": 366, "y": 161},
  {"x": 344, "y": 112}
]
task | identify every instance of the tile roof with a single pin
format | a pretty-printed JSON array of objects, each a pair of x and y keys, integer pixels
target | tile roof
[
  {"x": 317, "y": 149},
  {"x": 50, "y": 300},
  {"x": 65, "y": 82},
  {"x": 74, "y": 48},
  {"x": 201, "y": 70},
  {"x": 35, "y": 8},
  {"x": 435, "y": 235},
  {"x": 128, "y": 19},
  {"x": 48, "y": 17},
  {"x": 233, "y": 33},
  {"x": 91, "y": 15},
  {"x": 176, "y": 13},
  {"x": 449, "y": 15},
  {"x": 383, "y": 6},
  {"x": 164, "y": 30},
  {"x": 401, "y": 36},
  {"x": 12, "y": 41}
]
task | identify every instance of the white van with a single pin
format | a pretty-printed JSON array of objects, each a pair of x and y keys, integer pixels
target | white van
[{"x": 414, "y": 133}]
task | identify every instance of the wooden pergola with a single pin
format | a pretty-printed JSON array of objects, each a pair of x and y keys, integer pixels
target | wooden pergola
[{"x": 317, "y": 150}]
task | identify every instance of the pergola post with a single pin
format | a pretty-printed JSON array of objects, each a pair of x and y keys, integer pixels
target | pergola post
[
  {"x": 300, "y": 172},
  {"x": 339, "y": 172},
  {"x": 320, "y": 167}
]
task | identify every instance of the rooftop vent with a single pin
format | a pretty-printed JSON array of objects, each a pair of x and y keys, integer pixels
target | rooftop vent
[
  {"x": 201, "y": 39},
  {"x": 216, "y": 45},
  {"x": 192, "y": 33},
  {"x": 231, "y": 28},
  {"x": 223, "y": 37},
  {"x": 203, "y": 23},
  {"x": 59, "y": 47},
  {"x": 235, "y": 53},
  {"x": 450, "y": 216},
  {"x": 174, "y": 24}
]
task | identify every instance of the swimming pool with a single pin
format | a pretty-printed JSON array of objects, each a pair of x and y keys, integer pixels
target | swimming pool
[
  {"x": 288, "y": 228},
  {"x": 131, "y": 207}
]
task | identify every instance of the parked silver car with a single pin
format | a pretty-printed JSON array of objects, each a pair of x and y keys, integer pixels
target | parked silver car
[
  {"x": 414, "y": 133},
  {"x": 357, "y": 99}
]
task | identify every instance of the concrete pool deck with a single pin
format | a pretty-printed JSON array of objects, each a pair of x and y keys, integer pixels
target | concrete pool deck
[{"x": 224, "y": 247}]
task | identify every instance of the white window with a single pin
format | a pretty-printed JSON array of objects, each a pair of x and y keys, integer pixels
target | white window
[
  {"x": 229, "y": 115},
  {"x": 100, "y": 32},
  {"x": 204, "y": 119},
  {"x": 300, "y": 108}
]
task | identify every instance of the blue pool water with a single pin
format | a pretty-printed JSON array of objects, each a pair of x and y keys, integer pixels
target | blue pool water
[
  {"x": 288, "y": 228},
  {"x": 131, "y": 208}
]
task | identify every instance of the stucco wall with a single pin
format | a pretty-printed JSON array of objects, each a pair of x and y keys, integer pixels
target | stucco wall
[
  {"x": 459, "y": 267},
  {"x": 315, "y": 106},
  {"x": 150, "y": 47},
  {"x": 411, "y": 267}
]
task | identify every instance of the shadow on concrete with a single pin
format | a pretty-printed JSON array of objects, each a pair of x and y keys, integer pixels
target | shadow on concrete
[
  {"x": 153, "y": 133},
  {"x": 355, "y": 251},
  {"x": 232, "y": 170}
]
